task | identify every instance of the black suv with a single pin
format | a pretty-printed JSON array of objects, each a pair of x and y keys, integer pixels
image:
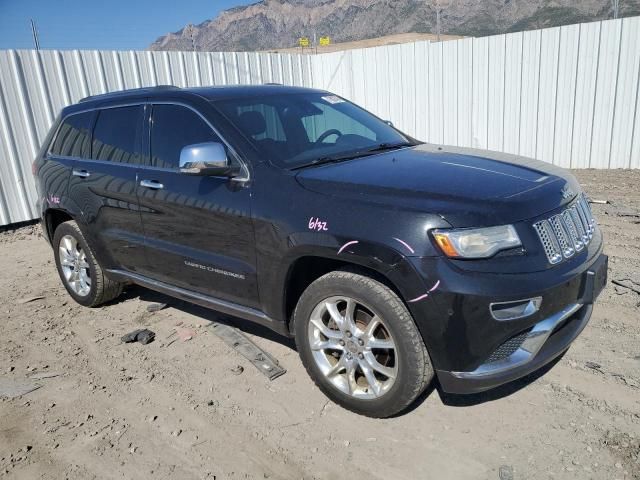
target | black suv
[{"x": 389, "y": 260}]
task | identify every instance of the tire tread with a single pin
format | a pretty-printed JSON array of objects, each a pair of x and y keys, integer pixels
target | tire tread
[
  {"x": 106, "y": 289},
  {"x": 423, "y": 373}
]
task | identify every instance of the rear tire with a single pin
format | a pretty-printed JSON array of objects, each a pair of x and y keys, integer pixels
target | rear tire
[
  {"x": 360, "y": 344},
  {"x": 78, "y": 268}
]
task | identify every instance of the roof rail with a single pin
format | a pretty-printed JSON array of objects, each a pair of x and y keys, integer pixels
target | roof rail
[{"x": 118, "y": 93}]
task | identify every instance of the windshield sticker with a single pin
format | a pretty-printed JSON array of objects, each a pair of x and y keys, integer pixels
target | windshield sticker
[
  {"x": 352, "y": 242},
  {"x": 316, "y": 224},
  {"x": 422, "y": 297},
  {"x": 333, "y": 99}
]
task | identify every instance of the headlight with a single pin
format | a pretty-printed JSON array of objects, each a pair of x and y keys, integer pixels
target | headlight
[{"x": 476, "y": 242}]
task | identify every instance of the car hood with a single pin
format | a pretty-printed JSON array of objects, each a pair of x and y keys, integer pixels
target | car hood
[{"x": 466, "y": 187}]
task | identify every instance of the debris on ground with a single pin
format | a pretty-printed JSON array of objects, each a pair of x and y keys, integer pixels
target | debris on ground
[
  {"x": 185, "y": 334},
  {"x": 44, "y": 375},
  {"x": 594, "y": 366},
  {"x": 620, "y": 284},
  {"x": 10, "y": 388},
  {"x": 505, "y": 472},
  {"x": 237, "y": 370},
  {"x": 264, "y": 362},
  {"x": 143, "y": 336},
  {"x": 156, "y": 307},
  {"x": 22, "y": 301}
]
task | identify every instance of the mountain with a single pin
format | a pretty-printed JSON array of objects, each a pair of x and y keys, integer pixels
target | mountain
[{"x": 272, "y": 24}]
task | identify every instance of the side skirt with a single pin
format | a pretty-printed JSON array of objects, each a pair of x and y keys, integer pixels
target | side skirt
[{"x": 207, "y": 301}]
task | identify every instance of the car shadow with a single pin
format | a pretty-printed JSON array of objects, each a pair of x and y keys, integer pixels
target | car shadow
[
  {"x": 497, "y": 393},
  {"x": 470, "y": 400},
  {"x": 251, "y": 328},
  {"x": 246, "y": 326}
]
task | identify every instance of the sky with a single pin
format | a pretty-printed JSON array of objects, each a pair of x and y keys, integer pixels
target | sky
[{"x": 100, "y": 24}]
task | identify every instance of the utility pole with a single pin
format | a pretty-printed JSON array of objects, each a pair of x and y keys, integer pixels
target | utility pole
[
  {"x": 616, "y": 8},
  {"x": 34, "y": 31},
  {"x": 438, "y": 19},
  {"x": 193, "y": 40}
]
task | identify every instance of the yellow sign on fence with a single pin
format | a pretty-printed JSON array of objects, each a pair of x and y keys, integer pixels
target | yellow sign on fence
[
  {"x": 324, "y": 41},
  {"x": 303, "y": 41}
]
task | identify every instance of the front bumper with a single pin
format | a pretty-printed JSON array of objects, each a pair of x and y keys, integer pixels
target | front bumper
[
  {"x": 547, "y": 340},
  {"x": 473, "y": 352}
]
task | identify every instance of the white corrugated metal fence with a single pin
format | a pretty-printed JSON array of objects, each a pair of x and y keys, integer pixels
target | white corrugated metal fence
[
  {"x": 566, "y": 95},
  {"x": 36, "y": 85}
]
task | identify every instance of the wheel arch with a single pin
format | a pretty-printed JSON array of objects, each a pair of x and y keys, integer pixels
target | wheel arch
[
  {"x": 53, "y": 217},
  {"x": 305, "y": 269}
]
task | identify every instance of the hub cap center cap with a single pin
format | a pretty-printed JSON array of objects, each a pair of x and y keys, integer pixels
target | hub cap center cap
[{"x": 352, "y": 346}]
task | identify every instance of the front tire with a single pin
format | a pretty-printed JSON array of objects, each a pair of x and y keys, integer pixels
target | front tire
[
  {"x": 360, "y": 344},
  {"x": 78, "y": 268}
]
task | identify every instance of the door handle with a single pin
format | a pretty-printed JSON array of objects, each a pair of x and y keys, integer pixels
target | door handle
[
  {"x": 151, "y": 184},
  {"x": 80, "y": 173}
]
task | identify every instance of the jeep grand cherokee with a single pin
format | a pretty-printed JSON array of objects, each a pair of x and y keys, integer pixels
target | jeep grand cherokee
[{"x": 390, "y": 261}]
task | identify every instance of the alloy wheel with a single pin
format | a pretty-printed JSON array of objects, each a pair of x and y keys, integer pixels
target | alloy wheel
[
  {"x": 353, "y": 347},
  {"x": 74, "y": 265}
]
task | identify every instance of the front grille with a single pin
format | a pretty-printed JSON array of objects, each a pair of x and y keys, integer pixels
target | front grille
[
  {"x": 508, "y": 347},
  {"x": 568, "y": 232}
]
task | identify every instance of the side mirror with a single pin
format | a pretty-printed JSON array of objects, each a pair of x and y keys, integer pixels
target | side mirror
[{"x": 207, "y": 159}]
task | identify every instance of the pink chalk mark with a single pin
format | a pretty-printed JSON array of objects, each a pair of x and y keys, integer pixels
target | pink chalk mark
[
  {"x": 422, "y": 297},
  {"x": 353, "y": 242},
  {"x": 405, "y": 244}
]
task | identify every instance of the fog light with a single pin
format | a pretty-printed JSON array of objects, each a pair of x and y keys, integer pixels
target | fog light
[{"x": 516, "y": 309}]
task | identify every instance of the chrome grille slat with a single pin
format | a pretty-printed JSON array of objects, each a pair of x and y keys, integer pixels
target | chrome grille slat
[
  {"x": 582, "y": 232},
  {"x": 572, "y": 229},
  {"x": 588, "y": 214},
  {"x": 569, "y": 232},
  {"x": 549, "y": 241},
  {"x": 562, "y": 235},
  {"x": 585, "y": 219}
]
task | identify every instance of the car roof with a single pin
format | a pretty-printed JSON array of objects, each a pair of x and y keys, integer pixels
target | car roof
[{"x": 222, "y": 92}]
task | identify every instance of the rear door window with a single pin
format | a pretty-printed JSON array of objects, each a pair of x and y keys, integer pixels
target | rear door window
[
  {"x": 73, "y": 136},
  {"x": 173, "y": 128},
  {"x": 117, "y": 136}
]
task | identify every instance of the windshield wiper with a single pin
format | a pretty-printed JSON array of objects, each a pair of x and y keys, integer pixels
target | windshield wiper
[
  {"x": 350, "y": 156},
  {"x": 389, "y": 146},
  {"x": 330, "y": 159}
]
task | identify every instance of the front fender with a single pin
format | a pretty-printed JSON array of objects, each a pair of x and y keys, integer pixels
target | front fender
[{"x": 382, "y": 259}]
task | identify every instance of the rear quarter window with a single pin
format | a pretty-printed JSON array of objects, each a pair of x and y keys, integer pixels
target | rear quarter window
[{"x": 74, "y": 136}]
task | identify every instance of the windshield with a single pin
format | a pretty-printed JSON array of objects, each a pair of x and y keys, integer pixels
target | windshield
[{"x": 305, "y": 129}]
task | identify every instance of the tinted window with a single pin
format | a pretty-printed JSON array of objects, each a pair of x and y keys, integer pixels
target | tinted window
[
  {"x": 73, "y": 136},
  {"x": 173, "y": 128},
  {"x": 298, "y": 129},
  {"x": 117, "y": 136},
  {"x": 272, "y": 126},
  {"x": 330, "y": 118}
]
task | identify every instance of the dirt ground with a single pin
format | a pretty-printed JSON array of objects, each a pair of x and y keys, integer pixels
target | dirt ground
[{"x": 181, "y": 410}]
